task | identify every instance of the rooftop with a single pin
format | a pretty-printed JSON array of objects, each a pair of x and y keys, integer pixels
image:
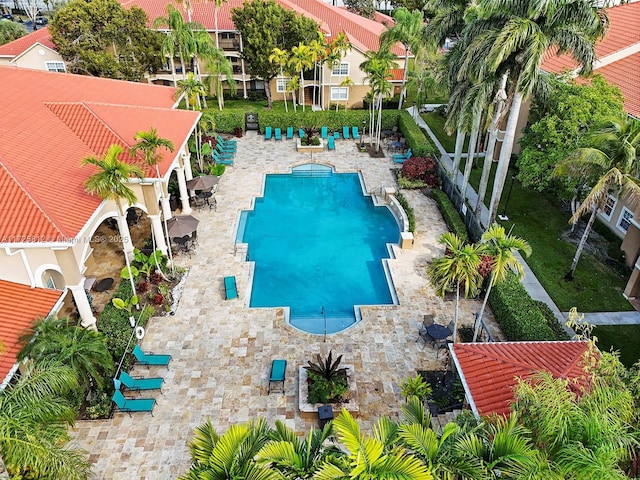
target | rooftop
[{"x": 20, "y": 45}]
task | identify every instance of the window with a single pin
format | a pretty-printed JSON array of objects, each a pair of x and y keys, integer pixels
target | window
[
  {"x": 281, "y": 84},
  {"x": 340, "y": 68},
  {"x": 55, "y": 66},
  {"x": 339, "y": 93},
  {"x": 607, "y": 210},
  {"x": 50, "y": 284},
  {"x": 228, "y": 36},
  {"x": 624, "y": 220}
]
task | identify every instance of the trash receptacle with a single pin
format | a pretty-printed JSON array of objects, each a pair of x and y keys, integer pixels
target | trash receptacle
[{"x": 325, "y": 414}]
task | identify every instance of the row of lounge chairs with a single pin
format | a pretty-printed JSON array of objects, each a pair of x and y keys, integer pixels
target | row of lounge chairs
[
  {"x": 347, "y": 133},
  {"x": 224, "y": 151},
  {"x": 137, "y": 384}
]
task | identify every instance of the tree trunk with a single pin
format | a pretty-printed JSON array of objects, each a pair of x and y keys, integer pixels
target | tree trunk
[
  {"x": 457, "y": 156},
  {"x": 268, "y": 92},
  {"x": 302, "y": 88},
  {"x": 471, "y": 154},
  {"x": 501, "y": 98},
  {"x": 583, "y": 241},
  {"x": 476, "y": 330},
  {"x": 403, "y": 90},
  {"x": 173, "y": 72},
  {"x": 455, "y": 314},
  {"x": 126, "y": 257},
  {"x": 379, "y": 126},
  {"x": 215, "y": 21},
  {"x": 505, "y": 156}
]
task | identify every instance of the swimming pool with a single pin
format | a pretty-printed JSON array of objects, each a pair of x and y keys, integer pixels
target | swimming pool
[{"x": 318, "y": 244}]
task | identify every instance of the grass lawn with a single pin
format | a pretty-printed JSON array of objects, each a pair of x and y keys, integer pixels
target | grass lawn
[
  {"x": 625, "y": 338},
  {"x": 436, "y": 124}
]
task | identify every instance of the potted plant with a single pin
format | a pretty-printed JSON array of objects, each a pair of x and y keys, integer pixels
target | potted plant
[
  {"x": 328, "y": 383},
  {"x": 238, "y": 131}
]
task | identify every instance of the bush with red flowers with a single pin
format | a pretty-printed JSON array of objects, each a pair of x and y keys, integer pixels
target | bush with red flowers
[
  {"x": 158, "y": 299},
  {"x": 421, "y": 168},
  {"x": 155, "y": 278},
  {"x": 143, "y": 287}
]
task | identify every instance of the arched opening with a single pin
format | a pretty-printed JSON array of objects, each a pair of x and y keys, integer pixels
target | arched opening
[{"x": 53, "y": 280}]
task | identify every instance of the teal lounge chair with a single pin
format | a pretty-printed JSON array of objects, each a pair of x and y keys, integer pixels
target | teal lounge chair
[
  {"x": 331, "y": 143},
  {"x": 278, "y": 371},
  {"x": 400, "y": 158},
  {"x": 301, "y": 133},
  {"x": 277, "y": 134},
  {"x": 324, "y": 132},
  {"x": 226, "y": 147},
  {"x": 130, "y": 404},
  {"x": 230, "y": 289},
  {"x": 221, "y": 160},
  {"x": 223, "y": 154},
  {"x": 230, "y": 143},
  {"x": 355, "y": 133},
  {"x": 345, "y": 132},
  {"x": 267, "y": 133},
  {"x": 289, "y": 133},
  {"x": 150, "y": 358},
  {"x": 139, "y": 383},
  {"x": 336, "y": 135}
]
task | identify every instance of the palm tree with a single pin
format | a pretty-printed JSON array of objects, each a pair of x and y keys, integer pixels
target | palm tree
[
  {"x": 281, "y": 58},
  {"x": 347, "y": 82},
  {"x": 408, "y": 30},
  {"x": 316, "y": 51},
  {"x": 230, "y": 456},
  {"x": 292, "y": 86},
  {"x": 516, "y": 36},
  {"x": 178, "y": 37},
  {"x": 109, "y": 183},
  {"x": 218, "y": 66},
  {"x": 501, "y": 247},
  {"x": 372, "y": 457},
  {"x": 459, "y": 266},
  {"x": 300, "y": 60},
  {"x": 34, "y": 415},
  {"x": 216, "y": 7},
  {"x": 192, "y": 89},
  {"x": 337, "y": 49},
  {"x": 293, "y": 457},
  {"x": 613, "y": 156},
  {"x": 84, "y": 351}
]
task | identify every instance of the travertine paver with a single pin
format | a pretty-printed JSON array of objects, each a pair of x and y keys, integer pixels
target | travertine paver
[{"x": 222, "y": 351}]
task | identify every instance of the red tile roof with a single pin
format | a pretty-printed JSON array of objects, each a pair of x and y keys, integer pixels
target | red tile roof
[
  {"x": 623, "y": 33},
  {"x": 20, "y": 305},
  {"x": 20, "y": 45},
  {"x": 363, "y": 33},
  {"x": 63, "y": 119},
  {"x": 490, "y": 370}
]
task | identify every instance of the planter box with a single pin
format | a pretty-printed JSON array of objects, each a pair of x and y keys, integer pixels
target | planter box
[
  {"x": 310, "y": 410},
  {"x": 309, "y": 148}
]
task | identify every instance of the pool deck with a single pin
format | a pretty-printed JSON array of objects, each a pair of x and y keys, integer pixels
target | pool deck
[{"x": 222, "y": 351}]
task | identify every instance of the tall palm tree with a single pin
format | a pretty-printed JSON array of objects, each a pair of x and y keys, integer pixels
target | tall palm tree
[
  {"x": 316, "y": 55},
  {"x": 408, "y": 30},
  {"x": 281, "y": 58},
  {"x": 336, "y": 50},
  {"x": 82, "y": 350},
  {"x": 370, "y": 457},
  {"x": 178, "y": 37},
  {"x": 219, "y": 66},
  {"x": 347, "y": 82},
  {"x": 501, "y": 247},
  {"x": 516, "y": 35},
  {"x": 459, "y": 266},
  {"x": 613, "y": 158},
  {"x": 216, "y": 7},
  {"x": 292, "y": 86},
  {"x": 300, "y": 60},
  {"x": 293, "y": 457},
  {"x": 230, "y": 456},
  {"x": 109, "y": 183},
  {"x": 192, "y": 89},
  {"x": 34, "y": 416}
]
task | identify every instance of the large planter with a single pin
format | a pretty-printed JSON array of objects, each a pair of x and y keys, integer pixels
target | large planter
[
  {"x": 309, "y": 148},
  {"x": 310, "y": 410}
]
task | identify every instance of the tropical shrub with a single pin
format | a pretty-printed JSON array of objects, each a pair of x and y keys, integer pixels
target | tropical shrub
[
  {"x": 415, "y": 387},
  {"x": 408, "y": 210},
  {"x": 421, "y": 168},
  {"x": 420, "y": 145},
  {"x": 327, "y": 380},
  {"x": 450, "y": 214},
  {"x": 228, "y": 120}
]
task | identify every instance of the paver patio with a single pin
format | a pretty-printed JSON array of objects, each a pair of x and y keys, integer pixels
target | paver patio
[{"x": 222, "y": 351}]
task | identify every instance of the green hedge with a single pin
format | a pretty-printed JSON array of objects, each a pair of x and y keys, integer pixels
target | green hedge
[
  {"x": 419, "y": 143},
  {"x": 518, "y": 315},
  {"x": 408, "y": 210},
  {"x": 450, "y": 214},
  {"x": 228, "y": 120},
  {"x": 326, "y": 118},
  {"x": 552, "y": 321}
]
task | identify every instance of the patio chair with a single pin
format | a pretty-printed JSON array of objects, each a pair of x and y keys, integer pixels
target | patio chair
[
  {"x": 289, "y": 133},
  {"x": 400, "y": 158},
  {"x": 229, "y": 143},
  {"x": 331, "y": 143},
  {"x": 223, "y": 154},
  {"x": 345, "y": 133},
  {"x": 226, "y": 147},
  {"x": 139, "y": 383},
  {"x": 221, "y": 160},
  {"x": 324, "y": 132},
  {"x": 423, "y": 335},
  {"x": 150, "y": 358},
  {"x": 278, "y": 370},
  {"x": 451, "y": 326},
  {"x": 355, "y": 133},
  {"x": 277, "y": 134},
  {"x": 267, "y": 133},
  {"x": 301, "y": 133},
  {"x": 230, "y": 288},
  {"x": 131, "y": 404}
]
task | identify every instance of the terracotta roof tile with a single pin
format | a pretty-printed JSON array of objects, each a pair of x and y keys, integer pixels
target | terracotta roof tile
[
  {"x": 20, "y": 45},
  {"x": 20, "y": 305},
  {"x": 625, "y": 74},
  {"x": 490, "y": 370},
  {"x": 62, "y": 120}
]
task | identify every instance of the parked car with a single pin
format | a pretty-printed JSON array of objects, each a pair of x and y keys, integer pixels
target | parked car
[
  {"x": 42, "y": 20},
  {"x": 7, "y": 16}
]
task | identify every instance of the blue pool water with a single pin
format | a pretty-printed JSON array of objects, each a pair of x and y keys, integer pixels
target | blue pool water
[{"x": 317, "y": 243}]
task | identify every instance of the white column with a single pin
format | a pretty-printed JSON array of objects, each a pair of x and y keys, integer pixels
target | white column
[
  {"x": 166, "y": 208},
  {"x": 184, "y": 194},
  {"x": 127, "y": 244},
  {"x": 186, "y": 162},
  {"x": 82, "y": 303},
  {"x": 156, "y": 225}
]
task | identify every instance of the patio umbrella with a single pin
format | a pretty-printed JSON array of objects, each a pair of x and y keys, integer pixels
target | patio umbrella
[
  {"x": 182, "y": 225},
  {"x": 203, "y": 182}
]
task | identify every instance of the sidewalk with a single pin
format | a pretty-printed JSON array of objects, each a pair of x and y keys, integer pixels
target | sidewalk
[{"x": 530, "y": 282}]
